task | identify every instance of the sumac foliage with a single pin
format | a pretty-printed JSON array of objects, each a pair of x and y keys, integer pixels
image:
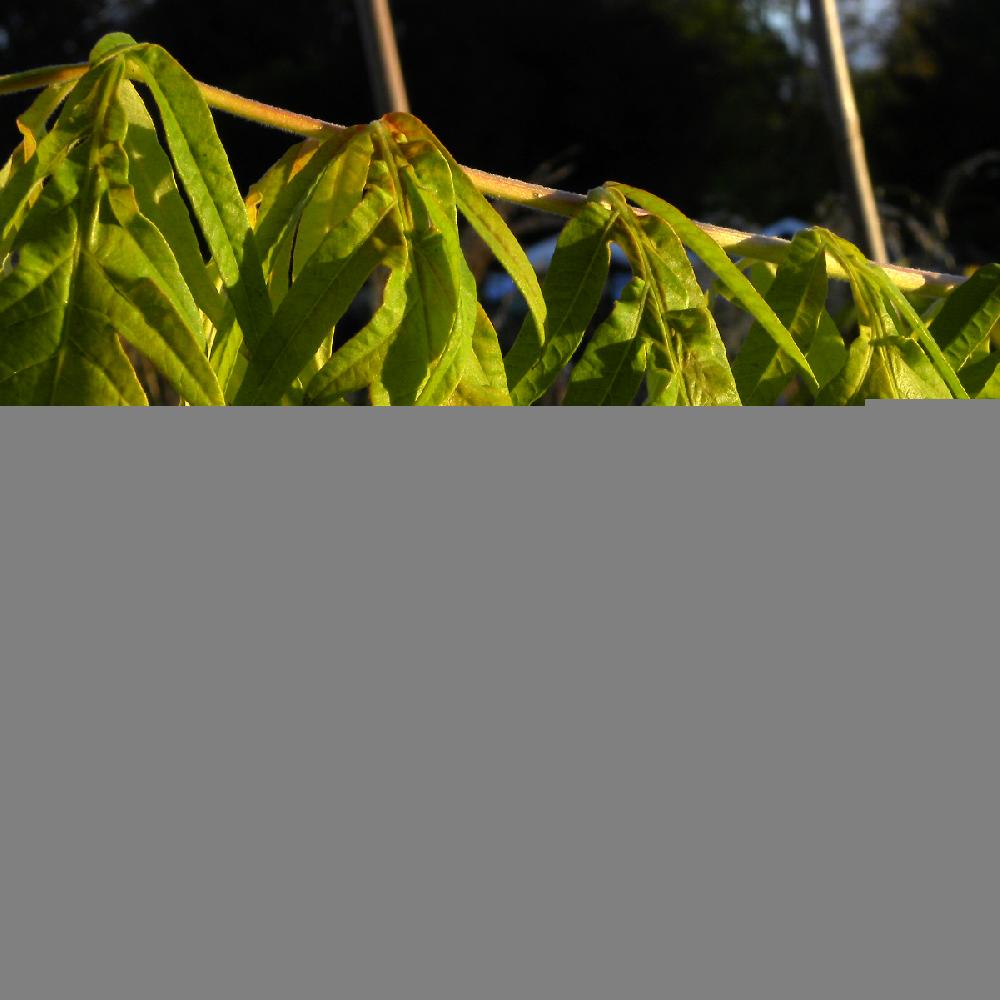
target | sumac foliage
[{"x": 127, "y": 247}]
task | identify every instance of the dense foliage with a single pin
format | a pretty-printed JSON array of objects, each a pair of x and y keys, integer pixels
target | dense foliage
[{"x": 110, "y": 234}]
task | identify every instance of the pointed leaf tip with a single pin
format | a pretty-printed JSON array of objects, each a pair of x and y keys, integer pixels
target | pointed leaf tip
[{"x": 109, "y": 44}]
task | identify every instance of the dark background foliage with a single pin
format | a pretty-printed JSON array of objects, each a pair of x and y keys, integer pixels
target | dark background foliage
[{"x": 703, "y": 101}]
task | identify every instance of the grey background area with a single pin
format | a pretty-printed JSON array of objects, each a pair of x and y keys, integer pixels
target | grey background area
[{"x": 394, "y": 705}]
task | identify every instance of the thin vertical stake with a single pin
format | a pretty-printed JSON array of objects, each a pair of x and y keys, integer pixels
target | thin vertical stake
[
  {"x": 847, "y": 126},
  {"x": 385, "y": 72}
]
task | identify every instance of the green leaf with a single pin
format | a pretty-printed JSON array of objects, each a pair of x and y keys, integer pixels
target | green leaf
[
  {"x": 33, "y": 126},
  {"x": 275, "y": 241},
  {"x": 473, "y": 393},
  {"x": 827, "y": 353},
  {"x": 798, "y": 297},
  {"x": 982, "y": 378},
  {"x": 32, "y": 123},
  {"x": 204, "y": 171},
  {"x": 285, "y": 193},
  {"x": 57, "y": 348},
  {"x": 433, "y": 344},
  {"x": 338, "y": 191},
  {"x": 942, "y": 368},
  {"x": 484, "y": 379},
  {"x": 612, "y": 366},
  {"x": 884, "y": 362},
  {"x": 91, "y": 268},
  {"x": 484, "y": 219},
  {"x": 572, "y": 289},
  {"x": 325, "y": 288},
  {"x": 59, "y": 342},
  {"x": 74, "y": 121},
  {"x": 686, "y": 358},
  {"x": 663, "y": 259},
  {"x": 486, "y": 348},
  {"x": 357, "y": 364},
  {"x": 228, "y": 360},
  {"x": 739, "y": 287},
  {"x": 429, "y": 339},
  {"x": 872, "y": 283},
  {"x": 263, "y": 193},
  {"x": 662, "y": 380},
  {"x": 149, "y": 301},
  {"x": 114, "y": 42},
  {"x": 159, "y": 200},
  {"x": 695, "y": 359},
  {"x": 967, "y": 316}
]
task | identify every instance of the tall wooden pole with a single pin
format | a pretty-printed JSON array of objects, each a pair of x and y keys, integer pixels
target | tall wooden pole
[
  {"x": 382, "y": 55},
  {"x": 847, "y": 126}
]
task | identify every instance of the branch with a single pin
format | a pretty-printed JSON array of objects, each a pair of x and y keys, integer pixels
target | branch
[{"x": 545, "y": 199}]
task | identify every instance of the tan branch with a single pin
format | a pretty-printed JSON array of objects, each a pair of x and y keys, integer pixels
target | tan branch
[{"x": 518, "y": 192}]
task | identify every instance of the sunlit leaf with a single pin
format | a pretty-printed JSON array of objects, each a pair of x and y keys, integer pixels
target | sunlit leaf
[
  {"x": 428, "y": 339},
  {"x": 696, "y": 354},
  {"x": 283, "y": 197},
  {"x": 982, "y": 378},
  {"x": 90, "y": 269},
  {"x": 59, "y": 342},
  {"x": 798, "y": 297},
  {"x": 151, "y": 177},
  {"x": 110, "y": 44},
  {"x": 662, "y": 381},
  {"x": 613, "y": 364},
  {"x": 357, "y": 364},
  {"x": 686, "y": 358},
  {"x": 484, "y": 378},
  {"x": 204, "y": 170},
  {"x": 486, "y": 348},
  {"x": 737, "y": 284},
  {"x": 885, "y": 361},
  {"x": 73, "y": 123},
  {"x": 485, "y": 220},
  {"x": 572, "y": 289},
  {"x": 329, "y": 282},
  {"x": 433, "y": 343},
  {"x": 337, "y": 192},
  {"x": 967, "y": 316}
]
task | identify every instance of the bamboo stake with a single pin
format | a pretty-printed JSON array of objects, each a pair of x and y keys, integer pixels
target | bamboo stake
[
  {"x": 509, "y": 189},
  {"x": 847, "y": 126},
  {"x": 385, "y": 73}
]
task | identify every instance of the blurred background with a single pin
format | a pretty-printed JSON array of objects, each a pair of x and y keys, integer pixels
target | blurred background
[{"x": 715, "y": 105}]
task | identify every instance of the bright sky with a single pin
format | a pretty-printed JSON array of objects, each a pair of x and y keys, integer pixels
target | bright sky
[{"x": 874, "y": 11}]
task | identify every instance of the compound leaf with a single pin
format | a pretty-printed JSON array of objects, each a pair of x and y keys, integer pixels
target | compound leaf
[
  {"x": 798, "y": 297},
  {"x": 614, "y": 361},
  {"x": 484, "y": 219},
  {"x": 686, "y": 358},
  {"x": 737, "y": 284},
  {"x": 357, "y": 364},
  {"x": 337, "y": 192},
  {"x": 204, "y": 170},
  {"x": 967, "y": 316},
  {"x": 982, "y": 378},
  {"x": 433, "y": 344},
  {"x": 698, "y": 369},
  {"x": 151, "y": 177},
  {"x": 24, "y": 184},
  {"x": 572, "y": 290},
  {"x": 326, "y": 287},
  {"x": 884, "y": 361}
]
